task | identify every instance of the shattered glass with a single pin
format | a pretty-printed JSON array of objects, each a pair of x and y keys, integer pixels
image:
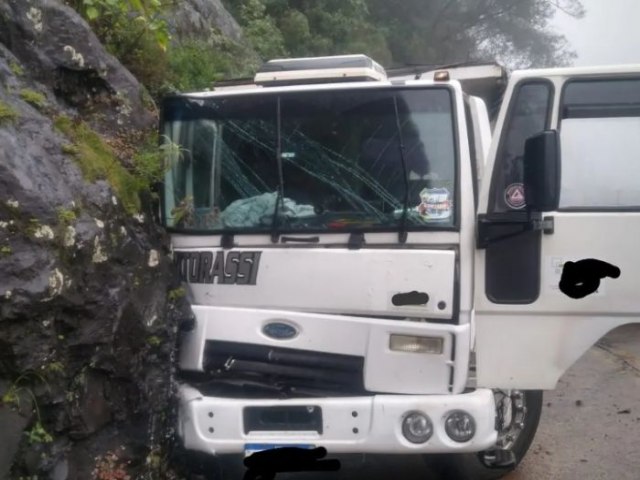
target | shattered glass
[{"x": 341, "y": 158}]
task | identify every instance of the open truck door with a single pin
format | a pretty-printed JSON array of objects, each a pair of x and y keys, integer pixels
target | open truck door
[{"x": 557, "y": 262}]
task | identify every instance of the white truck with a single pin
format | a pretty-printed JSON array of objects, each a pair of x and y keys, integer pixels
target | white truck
[{"x": 371, "y": 272}]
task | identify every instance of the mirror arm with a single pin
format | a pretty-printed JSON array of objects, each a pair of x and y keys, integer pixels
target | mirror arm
[{"x": 495, "y": 227}]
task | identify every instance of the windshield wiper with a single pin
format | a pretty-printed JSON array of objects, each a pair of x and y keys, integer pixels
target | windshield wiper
[
  {"x": 280, "y": 195},
  {"x": 402, "y": 233}
]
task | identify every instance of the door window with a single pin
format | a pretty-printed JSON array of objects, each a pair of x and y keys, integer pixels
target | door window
[
  {"x": 600, "y": 141},
  {"x": 527, "y": 116}
]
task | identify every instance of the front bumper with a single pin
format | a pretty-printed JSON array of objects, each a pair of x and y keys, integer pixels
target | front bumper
[{"x": 350, "y": 425}]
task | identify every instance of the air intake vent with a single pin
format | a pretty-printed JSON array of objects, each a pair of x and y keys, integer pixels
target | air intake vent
[
  {"x": 237, "y": 368},
  {"x": 301, "y": 71}
]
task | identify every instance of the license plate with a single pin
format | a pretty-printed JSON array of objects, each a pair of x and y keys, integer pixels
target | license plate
[
  {"x": 296, "y": 418},
  {"x": 251, "y": 448}
]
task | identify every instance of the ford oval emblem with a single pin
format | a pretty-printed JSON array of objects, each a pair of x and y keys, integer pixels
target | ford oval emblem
[{"x": 279, "y": 330}]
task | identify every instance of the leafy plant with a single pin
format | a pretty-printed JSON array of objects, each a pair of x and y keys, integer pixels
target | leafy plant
[
  {"x": 148, "y": 162},
  {"x": 145, "y": 15},
  {"x": 66, "y": 216},
  {"x": 134, "y": 31},
  {"x": 171, "y": 151},
  {"x": 37, "y": 433},
  {"x": 184, "y": 213}
]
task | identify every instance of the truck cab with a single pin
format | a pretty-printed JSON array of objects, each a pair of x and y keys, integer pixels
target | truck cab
[{"x": 371, "y": 272}]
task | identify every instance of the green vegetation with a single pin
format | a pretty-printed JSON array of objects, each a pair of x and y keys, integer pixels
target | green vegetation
[
  {"x": 135, "y": 32},
  {"x": 148, "y": 163},
  {"x": 394, "y": 33},
  {"x": 34, "y": 98},
  {"x": 176, "y": 294},
  {"x": 70, "y": 149},
  {"x": 5, "y": 251},
  {"x": 53, "y": 368},
  {"x": 16, "y": 68},
  {"x": 154, "y": 341},
  {"x": 37, "y": 434},
  {"x": 12, "y": 398},
  {"x": 195, "y": 65},
  {"x": 66, "y": 216},
  {"x": 409, "y": 31},
  {"x": 31, "y": 226},
  {"x": 7, "y": 114},
  {"x": 98, "y": 161},
  {"x": 111, "y": 17}
]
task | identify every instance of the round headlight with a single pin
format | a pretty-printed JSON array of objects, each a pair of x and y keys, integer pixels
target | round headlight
[
  {"x": 460, "y": 426},
  {"x": 416, "y": 427}
]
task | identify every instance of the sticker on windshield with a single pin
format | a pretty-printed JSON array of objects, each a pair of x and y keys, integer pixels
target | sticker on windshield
[
  {"x": 435, "y": 204},
  {"x": 514, "y": 196}
]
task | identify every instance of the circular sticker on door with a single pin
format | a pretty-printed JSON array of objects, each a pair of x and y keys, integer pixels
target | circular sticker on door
[{"x": 514, "y": 196}]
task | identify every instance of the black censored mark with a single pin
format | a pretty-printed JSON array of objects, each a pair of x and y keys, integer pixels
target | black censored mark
[
  {"x": 410, "y": 298},
  {"x": 264, "y": 465},
  {"x": 582, "y": 278}
]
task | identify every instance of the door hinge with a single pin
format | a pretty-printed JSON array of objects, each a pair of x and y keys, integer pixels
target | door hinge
[{"x": 545, "y": 224}]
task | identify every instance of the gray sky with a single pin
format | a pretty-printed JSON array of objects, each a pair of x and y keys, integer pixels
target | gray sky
[{"x": 608, "y": 34}]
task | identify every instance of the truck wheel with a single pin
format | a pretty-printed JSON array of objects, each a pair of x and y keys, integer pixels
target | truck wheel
[{"x": 518, "y": 413}]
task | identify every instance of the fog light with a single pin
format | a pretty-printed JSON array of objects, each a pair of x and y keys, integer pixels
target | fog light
[
  {"x": 414, "y": 344},
  {"x": 460, "y": 426},
  {"x": 416, "y": 427}
]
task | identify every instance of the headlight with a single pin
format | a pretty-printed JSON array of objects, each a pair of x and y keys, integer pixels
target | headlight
[{"x": 416, "y": 427}]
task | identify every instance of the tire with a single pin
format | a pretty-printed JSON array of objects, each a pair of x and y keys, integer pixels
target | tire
[{"x": 469, "y": 466}]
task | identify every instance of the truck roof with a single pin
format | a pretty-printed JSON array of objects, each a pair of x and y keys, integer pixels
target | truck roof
[{"x": 587, "y": 71}]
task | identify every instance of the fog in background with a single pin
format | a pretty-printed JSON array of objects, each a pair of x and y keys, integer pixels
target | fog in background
[{"x": 608, "y": 34}]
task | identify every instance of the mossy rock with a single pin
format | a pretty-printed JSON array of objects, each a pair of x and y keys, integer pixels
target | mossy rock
[
  {"x": 98, "y": 161},
  {"x": 7, "y": 114}
]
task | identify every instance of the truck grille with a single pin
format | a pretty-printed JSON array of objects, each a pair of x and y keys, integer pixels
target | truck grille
[{"x": 238, "y": 369}]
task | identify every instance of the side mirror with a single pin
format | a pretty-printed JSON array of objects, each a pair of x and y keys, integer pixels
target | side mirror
[{"x": 542, "y": 171}]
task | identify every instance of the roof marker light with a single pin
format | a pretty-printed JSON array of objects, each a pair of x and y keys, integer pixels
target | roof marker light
[{"x": 441, "y": 76}]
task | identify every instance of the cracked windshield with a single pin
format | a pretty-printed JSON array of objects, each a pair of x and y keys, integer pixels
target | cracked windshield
[{"x": 312, "y": 161}]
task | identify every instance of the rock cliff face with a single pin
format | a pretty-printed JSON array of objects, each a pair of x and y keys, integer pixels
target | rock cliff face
[
  {"x": 87, "y": 297},
  {"x": 198, "y": 18}
]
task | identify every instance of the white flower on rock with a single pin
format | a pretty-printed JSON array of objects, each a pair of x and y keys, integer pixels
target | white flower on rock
[
  {"x": 35, "y": 15},
  {"x": 69, "y": 236},
  {"x": 98, "y": 255},
  {"x": 56, "y": 283},
  {"x": 154, "y": 258},
  {"x": 76, "y": 57},
  {"x": 44, "y": 231}
]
